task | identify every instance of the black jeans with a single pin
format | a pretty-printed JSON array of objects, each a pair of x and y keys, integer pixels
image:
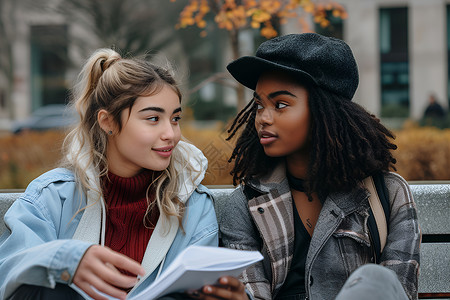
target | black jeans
[
  {"x": 174, "y": 296},
  {"x": 33, "y": 292},
  {"x": 63, "y": 291},
  {"x": 292, "y": 297}
]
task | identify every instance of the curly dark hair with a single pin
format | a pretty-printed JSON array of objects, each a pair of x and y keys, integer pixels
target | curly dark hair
[{"x": 347, "y": 144}]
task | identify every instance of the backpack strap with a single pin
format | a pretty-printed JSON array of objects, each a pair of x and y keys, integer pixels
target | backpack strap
[
  {"x": 383, "y": 194},
  {"x": 379, "y": 212}
]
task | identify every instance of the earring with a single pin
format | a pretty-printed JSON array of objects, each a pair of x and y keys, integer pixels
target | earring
[{"x": 110, "y": 132}]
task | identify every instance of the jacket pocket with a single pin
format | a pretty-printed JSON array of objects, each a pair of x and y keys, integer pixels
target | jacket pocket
[{"x": 352, "y": 237}]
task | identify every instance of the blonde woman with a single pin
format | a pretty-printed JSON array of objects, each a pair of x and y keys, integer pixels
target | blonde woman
[{"x": 126, "y": 200}]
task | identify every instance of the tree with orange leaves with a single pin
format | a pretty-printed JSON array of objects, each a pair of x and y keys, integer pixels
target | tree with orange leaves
[{"x": 236, "y": 15}]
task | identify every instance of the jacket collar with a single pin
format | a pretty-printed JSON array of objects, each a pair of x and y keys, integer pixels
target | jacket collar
[
  {"x": 189, "y": 181},
  {"x": 346, "y": 202},
  {"x": 274, "y": 180},
  {"x": 350, "y": 201}
]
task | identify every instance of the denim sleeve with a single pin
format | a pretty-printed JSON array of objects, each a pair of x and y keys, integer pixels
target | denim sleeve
[
  {"x": 202, "y": 215},
  {"x": 31, "y": 253}
]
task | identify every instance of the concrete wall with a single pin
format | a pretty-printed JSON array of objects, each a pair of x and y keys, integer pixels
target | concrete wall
[
  {"x": 361, "y": 33},
  {"x": 428, "y": 53},
  {"x": 427, "y": 50}
]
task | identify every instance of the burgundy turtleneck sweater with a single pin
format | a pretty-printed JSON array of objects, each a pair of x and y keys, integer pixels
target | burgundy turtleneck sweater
[{"x": 126, "y": 204}]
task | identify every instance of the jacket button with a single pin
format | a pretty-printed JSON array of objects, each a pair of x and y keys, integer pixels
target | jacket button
[
  {"x": 65, "y": 276},
  {"x": 260, "y": 210},
  {"x": 311, "y": 280}
]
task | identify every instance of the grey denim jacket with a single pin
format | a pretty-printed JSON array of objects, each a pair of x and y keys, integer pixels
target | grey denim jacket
[{"x": 340, "y": 242}]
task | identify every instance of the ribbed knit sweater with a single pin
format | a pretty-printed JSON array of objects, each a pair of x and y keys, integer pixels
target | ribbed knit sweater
[{"x": 126, "y": 204}]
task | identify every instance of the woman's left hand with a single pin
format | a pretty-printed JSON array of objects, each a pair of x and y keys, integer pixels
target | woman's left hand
[{"x": 227, "y": 288}]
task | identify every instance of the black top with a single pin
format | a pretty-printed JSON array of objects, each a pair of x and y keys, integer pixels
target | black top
[{"x": 295, "y": 280}]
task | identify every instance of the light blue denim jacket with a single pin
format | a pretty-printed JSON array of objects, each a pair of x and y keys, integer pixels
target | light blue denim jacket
[{"x": 39, "y": 248}]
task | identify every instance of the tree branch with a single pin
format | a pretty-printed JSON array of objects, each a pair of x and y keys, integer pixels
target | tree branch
[{"x": 221, "y": 77}]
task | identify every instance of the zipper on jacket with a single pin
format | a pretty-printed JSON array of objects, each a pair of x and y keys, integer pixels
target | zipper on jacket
[{"x": 373, "y": 258}]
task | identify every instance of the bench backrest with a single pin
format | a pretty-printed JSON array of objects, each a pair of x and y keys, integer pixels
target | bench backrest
[
  {"x": 433, "y": 209},
  {"x": 6, "y": 199},
  {"x": 433, "y": 212}
]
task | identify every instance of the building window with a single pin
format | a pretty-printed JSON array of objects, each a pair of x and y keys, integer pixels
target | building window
[
  {"x": 334, "y": 29},
  {"x": 394, "y": 68},
  {"x": 48, "y": 65}
]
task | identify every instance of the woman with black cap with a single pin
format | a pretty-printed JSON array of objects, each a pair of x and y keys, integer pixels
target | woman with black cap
[{"x": 303, "y": 151}]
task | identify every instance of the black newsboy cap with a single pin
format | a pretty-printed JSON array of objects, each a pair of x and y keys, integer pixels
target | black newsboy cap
[{"x": 325, "y": 61}]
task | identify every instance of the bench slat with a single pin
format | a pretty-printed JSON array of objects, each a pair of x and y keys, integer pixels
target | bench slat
[
  {"x": 433, "y": 207},
  {"x": 434, "y": 268}
]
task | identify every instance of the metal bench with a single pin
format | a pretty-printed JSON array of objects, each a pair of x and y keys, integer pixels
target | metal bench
[{"x": 433, "y": 205}]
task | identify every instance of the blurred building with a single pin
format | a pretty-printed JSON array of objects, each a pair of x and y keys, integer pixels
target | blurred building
[
  {"x": 37, "y": 47},
  {"x": 43, "y": 44},
  {"x": 402, "y": 48}
]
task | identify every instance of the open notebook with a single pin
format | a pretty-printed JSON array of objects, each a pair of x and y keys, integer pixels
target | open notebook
[{"x": 197, "y": 266}]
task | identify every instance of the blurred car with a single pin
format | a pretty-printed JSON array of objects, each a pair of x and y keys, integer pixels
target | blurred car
[{"x": 53, "y": 116}]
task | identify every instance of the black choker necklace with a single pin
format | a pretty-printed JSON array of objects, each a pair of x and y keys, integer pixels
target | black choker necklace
[{"x": 296, "y": 183}]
